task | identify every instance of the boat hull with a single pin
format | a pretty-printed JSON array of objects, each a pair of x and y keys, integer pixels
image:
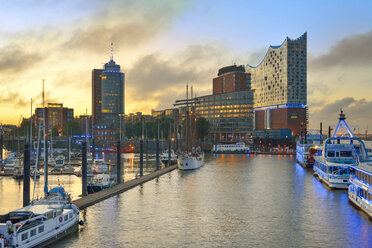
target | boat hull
[
  {"x": 332, "y": 183},
  {"x": 190, "y": 163}
]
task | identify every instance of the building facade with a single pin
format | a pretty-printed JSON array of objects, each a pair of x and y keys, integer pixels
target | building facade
[
  {"x": 96, "y": 95},
  {"x": 231, "y": 79},
  {"x": 280, "y": 87},
  {"x": 230, "y": 115},
  {"x": 55, "y": 116}
]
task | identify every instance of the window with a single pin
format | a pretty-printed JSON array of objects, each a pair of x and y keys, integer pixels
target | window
[
  {"x": 41, "y": 229},
  {"x": 33, "y": 232},
  {"x": 330, "y": 154},
  {"x": 66, "y": 217},
  {"x": 346, "y": 154},
  {"x": 24, "y": 236}
]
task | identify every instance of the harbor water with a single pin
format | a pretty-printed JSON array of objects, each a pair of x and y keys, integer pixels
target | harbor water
[{"x": 233, "y": 201}]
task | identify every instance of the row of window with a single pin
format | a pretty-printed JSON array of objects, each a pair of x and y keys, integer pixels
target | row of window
[
  {"x": 33, "y": 232},
  {"x": 365, "y": 178}
]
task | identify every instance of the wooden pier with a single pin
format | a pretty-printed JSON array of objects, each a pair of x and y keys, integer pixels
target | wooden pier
[{"x": 92, "y": 199}]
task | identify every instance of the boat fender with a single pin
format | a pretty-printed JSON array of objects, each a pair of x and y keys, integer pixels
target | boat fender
[
  {"x": 81, "y": 222},
  {"x": 60, "y": 219}
]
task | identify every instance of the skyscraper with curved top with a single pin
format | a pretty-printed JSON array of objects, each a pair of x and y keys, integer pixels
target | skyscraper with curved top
[{"x": 279, "y": 82}]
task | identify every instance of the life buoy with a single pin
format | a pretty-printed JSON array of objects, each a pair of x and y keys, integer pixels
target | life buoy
[{"x": 60, "y": 219}]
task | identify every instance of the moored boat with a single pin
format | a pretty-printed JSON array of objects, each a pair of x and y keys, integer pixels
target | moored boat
[
  {"x": 339, "y": 154},
  {"x": 164, "y": 157},
  {"x": 360, "y": 188},
  {"x": 100, "y": 182},
  {"x": 239, "y": 147},
  {"x": 191, "y": 161},
  {"x": 40, "y": 223}
]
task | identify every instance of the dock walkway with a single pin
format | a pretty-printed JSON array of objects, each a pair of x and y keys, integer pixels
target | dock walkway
[{"x": 92, "y": 199}]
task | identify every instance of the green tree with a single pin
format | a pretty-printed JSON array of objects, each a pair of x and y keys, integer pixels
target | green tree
[
  {"x": 202, "y": 127},
  {"x": 73, "y": 128},
  {"x": 55, "y": 132}
]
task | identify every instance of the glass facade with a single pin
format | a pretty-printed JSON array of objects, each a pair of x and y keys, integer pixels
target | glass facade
[
  {"x": 230, "y": 114},
  {"x": 112, "y": 94}
]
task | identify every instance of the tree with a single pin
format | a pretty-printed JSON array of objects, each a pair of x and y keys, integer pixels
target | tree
[
  {"x": 202, "y": 127},
  {"x": 55, "y": 131},
  {"x": 73, "y": 128}
]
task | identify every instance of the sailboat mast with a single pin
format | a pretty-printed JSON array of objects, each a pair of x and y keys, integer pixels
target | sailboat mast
[
  {"x": 45, "y": 147},
  {"x": 187, "y": 118},
  {"x": 31, "y": 131}
]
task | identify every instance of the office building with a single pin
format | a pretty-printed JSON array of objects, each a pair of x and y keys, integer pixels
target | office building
[
  {"x": 280, "y": 87},
  {"x": 55, "y": 116},
  {"x": 108, "y": 95},
  {"x": 231, "y": 79}
]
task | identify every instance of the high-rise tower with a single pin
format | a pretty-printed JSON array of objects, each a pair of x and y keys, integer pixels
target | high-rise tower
[{"x": 108, "y": 94}]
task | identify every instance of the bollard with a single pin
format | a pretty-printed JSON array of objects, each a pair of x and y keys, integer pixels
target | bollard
[
  {"x": 26, "y": 175},
  {"x": 93, "y": 149},
  {"x": 169, "y": 153},
  {"x": 84, "y": 167},
  {"x": 1, "y": 146},
  {"x": 141, "y": 157},
  {"x": 157, "y": 155},
  {"x": 118, "y": 163}
]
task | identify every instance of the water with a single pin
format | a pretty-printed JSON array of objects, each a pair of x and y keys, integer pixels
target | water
[{"x": 233, "y": 201}]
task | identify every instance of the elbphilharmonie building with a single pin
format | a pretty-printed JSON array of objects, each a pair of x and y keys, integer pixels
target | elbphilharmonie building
[{"x": 279, "y": 82}]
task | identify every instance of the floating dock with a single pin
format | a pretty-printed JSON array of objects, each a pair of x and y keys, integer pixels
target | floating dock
[{"x": 92, "y": 199}]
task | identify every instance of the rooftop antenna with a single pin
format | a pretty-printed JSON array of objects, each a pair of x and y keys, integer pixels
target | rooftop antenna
[{"x": 112, "y": 52}]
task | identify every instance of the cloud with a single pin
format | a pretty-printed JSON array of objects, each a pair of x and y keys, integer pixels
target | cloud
[
  {"x": 162, "y": 80},
  {"x": 355, "y": 50},
  {"x": 357, "y": 112},
  {"x": 127, "y": 23},
  {"x": 12, "y": 99},
  {"x": 15, "y": 59}
]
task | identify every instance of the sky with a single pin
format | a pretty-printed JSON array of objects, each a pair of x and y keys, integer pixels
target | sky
[{"x": 163, "y": 45}]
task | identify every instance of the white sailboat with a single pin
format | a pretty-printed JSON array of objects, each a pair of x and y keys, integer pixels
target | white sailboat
[{"x": 194, "y": 159}]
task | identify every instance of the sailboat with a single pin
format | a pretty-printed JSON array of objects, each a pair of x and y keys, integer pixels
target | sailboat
[
  {"x": 42, "y": 222},
  {"x": 194, "y": 159}
]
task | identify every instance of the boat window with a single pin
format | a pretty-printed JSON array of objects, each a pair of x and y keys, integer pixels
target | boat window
[
  {"x": 70, "y": 215},
  {"x": 49, "y": 215},
  {"x": 331, "y": 154},
  {"x": 54, "y": 214},
  {"x": 41, "y": 229},
  {"x": 24, "y": 236},
  {"x": 33, "y": 232},
  {"x": 66, "y": 217},
  {"x": 346, "y": 154},
  {"x": 59, "y": 212},
  {"x": 344, "y": 171},
  {"x": 337, "y": 154}
]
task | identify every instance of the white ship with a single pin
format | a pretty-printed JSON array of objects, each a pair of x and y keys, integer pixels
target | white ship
[
  {"x": 339, "y": 154},
  {"x": 239, "y": 147},
  {"x": 360, "y": 188},
  {"x": 191, "y": 161}
]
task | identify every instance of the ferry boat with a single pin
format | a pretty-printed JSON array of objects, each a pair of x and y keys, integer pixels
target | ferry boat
[
  {"x": 40, "y": 223},
  {"x": 339, "y": 154},
  {"x": 100, "y": 182},
  {"x": 307, "y": 150},
  {"x": 164, "y": 157},
  {"x": 239, "y": 147},
  {"x": 360, "y": 188}
]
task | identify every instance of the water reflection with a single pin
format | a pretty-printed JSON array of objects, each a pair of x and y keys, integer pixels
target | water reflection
[{"x": 232, "y": 201}]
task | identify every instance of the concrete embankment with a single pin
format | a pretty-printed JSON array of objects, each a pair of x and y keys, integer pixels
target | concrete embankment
[{"x": 91, "y": 199}]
